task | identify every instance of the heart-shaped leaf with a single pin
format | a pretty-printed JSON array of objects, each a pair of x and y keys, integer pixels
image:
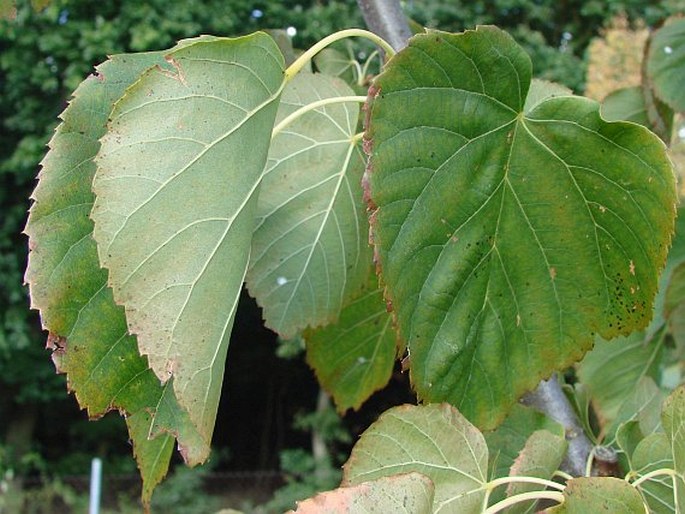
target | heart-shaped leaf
[
  {"x": 434, "y": 440},
  {"x": 507, "y": 239},
  {"x": 310, "y": 250},
  {"x": 87, "y": 330},
  {"x": 176, "y": 196}
]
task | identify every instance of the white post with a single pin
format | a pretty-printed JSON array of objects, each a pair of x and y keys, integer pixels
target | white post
[{"x": 95, "y": 486}]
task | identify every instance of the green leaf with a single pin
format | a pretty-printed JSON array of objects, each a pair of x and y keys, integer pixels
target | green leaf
[
  {"x": 673, "y": 420},
  {"x": 600, "y": 494},
  {"x": 176, "y": 195},
  {"x": 676, "y": 256},
  {"x": 612, "y": 370},
  {"x": 87, "y": 330},
  {"x": 508, "y": 440},
  {"x": 626, "y": 104},
  {"x": 654, "y": 452},
  {"x": 506, "y": 240},
  {"x": 310, "y": 250},
  {"x": 638, "y": 104},
  {"x": 643, "y": 405},
  {"x": 355, "y": 356},
  {"x": 336, "y": 64},
  {"x": 411, "y": 493},
  {"x": 435, "y": 440},
  {"x": 541, "y": 90},
  {"x": 628, "y": 437},
  {"x": 674, "y": 304},
  {"x": 666, "y": 63},
  {"x": 540, "y": 457}
]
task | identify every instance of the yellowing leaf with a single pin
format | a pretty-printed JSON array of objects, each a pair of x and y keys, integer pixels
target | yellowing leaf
[{"x": 176, "y": 194}]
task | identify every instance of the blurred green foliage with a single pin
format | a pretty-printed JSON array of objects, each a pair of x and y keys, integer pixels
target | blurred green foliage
[{"x": 554, "y": 32}]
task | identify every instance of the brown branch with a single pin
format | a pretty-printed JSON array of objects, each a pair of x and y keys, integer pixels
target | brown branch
[
  {"x": 385, "y": 18},
  {"x": 550, "y": 399}
]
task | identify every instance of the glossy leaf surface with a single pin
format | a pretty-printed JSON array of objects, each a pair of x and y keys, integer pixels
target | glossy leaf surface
[
  {"x": 176, "y": 196},
  {"x": 506, "y": 239}
]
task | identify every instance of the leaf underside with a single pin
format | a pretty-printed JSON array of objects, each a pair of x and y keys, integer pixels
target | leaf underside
[
  {"x": 175, "y": 203},
  {"x": 599, "y": 494},
  {"x": 88, "y": 333},
  {"x": 434, "y": 440},
  {"x": 652, "y": 453},
  {"x": 507, "y": 239},
  {"x": 540, "y": 457},
  {"x": 612, "y": 369},
  {"x": 310, "y": 251},
  {"x": 410, "y": 493}
]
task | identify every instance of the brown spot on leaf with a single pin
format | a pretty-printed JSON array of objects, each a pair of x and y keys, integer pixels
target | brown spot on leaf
[
  {"x": 56, "y": 343},
  {"x": 553, "y": 272},
  {"x": 631, "y": 267},
  {"x": 58, "y": 346}
]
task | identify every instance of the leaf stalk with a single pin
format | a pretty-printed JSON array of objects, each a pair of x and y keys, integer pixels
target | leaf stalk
[
  {"x": 518, "y": 498},
  {"x": 301, "y": 61},
  {"x": 313, "y": 106}
]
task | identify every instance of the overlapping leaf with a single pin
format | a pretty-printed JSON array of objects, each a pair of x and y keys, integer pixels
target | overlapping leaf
[
  {"x": 310, "y": 250},
  {"x": 673, "y": 420},
  {"x": 599, "y": 494},
  {"x": 87, "y": 330},
  {"x": 639, "y": 105},
  {"x": 613, "y": 369},
  {"x": 651, "y": 454},
  {"x": 540, "y": 457},
  {"x": 355, "y": 356},
  {"x": 176, "y": 196},
  {"x": 434, "y": 440},
  {"x": 507, "y": 240},
  {"x": 410, "y": 493},
  {"x": 626, "y": 104},
  {"x": 508, "y": 440}
]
